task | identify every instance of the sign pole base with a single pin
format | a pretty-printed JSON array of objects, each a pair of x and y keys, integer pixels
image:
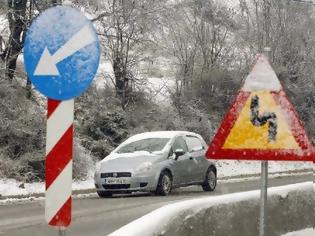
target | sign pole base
[
  {"x": 62, "y": 231},
  {"x": 263, "y": 198}
]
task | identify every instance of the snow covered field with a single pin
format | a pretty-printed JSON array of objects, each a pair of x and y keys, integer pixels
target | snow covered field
[
  {"x": 11, "y": 187},
  {"x": 226, "y": 170},
  {"x": 230, "y": 168}
]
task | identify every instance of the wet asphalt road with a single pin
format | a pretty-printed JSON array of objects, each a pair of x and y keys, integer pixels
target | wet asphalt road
[{"x": 93, "y": 216}]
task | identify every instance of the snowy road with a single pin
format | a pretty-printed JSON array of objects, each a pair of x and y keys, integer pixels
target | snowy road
[{"x": 94, "y": 216}]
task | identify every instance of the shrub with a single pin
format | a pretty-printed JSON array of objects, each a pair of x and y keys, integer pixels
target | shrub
[
  {"x": 83, "y": 164},
  {"x": 22, "y": 122}
]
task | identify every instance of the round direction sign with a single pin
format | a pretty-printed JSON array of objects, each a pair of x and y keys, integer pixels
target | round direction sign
[{"x": 61, "y": 53}]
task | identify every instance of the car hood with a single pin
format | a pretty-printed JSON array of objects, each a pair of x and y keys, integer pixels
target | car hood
[{"x": 128, "y": 162}]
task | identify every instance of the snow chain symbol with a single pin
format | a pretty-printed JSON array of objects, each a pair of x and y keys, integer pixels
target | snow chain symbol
[{"x": 269, "y": 117}]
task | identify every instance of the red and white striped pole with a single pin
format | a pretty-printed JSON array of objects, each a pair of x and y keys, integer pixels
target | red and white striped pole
[{"x": 58, "y": 165}]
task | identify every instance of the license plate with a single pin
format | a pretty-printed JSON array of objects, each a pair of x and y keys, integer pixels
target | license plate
[{"x": 115, "y": 181}]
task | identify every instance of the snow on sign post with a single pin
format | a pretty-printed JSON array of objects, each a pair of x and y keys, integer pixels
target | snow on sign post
[
  {"x": 61, "y": 55},
  {"x": 261, "y": 125}
]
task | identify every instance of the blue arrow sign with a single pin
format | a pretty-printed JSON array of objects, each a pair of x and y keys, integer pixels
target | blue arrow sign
[{"x": 61, "y": 53}]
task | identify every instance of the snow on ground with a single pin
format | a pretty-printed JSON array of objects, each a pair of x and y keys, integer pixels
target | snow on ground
[
  {"x": 105, "y": 74},
  {"x": 226, "y": 169},
  {"x": 304, "y": 232},
  {"x": 155, "y": 221},
  {"x": 11, "y": 187},
  {"x": 159, "y": 89}
]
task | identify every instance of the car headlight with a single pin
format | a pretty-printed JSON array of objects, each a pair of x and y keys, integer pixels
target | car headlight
[{"x": 144, "y": 167}]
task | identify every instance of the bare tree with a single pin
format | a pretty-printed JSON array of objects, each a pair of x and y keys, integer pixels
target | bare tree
[
  {"x": 125, "y": 25},
  {"x": 20, "y": 14},
  {"x": 176, "y": 38},
  {"x": 17, "y": 24},
  {"x": 292, "y": 45},
  {"x": 198, "y": 36}
]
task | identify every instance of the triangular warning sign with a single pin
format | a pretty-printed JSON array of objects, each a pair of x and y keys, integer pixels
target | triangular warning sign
[{"x": 261, "y": 124}]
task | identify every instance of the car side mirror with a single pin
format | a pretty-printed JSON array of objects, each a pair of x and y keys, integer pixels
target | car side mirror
[
  {"x": 196, "y": 149},
  {"x": 179, "y": 152}
]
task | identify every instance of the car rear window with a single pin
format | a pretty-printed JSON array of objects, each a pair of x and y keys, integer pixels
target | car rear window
[{"x": 149, "y": 145}]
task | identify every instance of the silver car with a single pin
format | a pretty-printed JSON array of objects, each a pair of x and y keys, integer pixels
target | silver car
[{"x": 156, "y": 162}]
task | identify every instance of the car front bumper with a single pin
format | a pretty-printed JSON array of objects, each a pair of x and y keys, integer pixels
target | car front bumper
[{"x": 143, "y": 183}]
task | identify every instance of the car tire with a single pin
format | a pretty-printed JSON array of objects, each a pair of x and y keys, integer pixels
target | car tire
[
  {"x": 164, "y": 186},
  {"x": 210, "y": 181},
  {"x": 104, "y": 194}
]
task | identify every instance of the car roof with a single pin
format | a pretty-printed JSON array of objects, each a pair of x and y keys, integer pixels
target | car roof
[
  {"x": 160, "y": 134},
  {"x": 156, "y": 134}
]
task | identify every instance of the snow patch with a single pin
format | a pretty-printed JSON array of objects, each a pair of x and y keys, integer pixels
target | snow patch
[
  {"x": 304, "y": 232},
  {"x": 262, "y": 77},
  {"x": 105, "y": 74},
  {"x": 159, "y": 89},
  {"x": 8, "y": 201},
  {"x": 155, "y": 221},
  {"x": 229, "y": 168},
  {"x": 11, "y": 187}
]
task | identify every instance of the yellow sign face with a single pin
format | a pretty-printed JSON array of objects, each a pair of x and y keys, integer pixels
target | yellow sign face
[{"x": 245, "y": 135}]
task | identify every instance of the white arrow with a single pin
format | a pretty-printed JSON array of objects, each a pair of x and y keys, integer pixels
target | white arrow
[{"x": 47, "y": 64}]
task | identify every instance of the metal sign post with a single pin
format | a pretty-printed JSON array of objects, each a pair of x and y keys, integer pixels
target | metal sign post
[
  {"x": 62, "y": 231},
  {"x": 263, "y": 198},
  {"x": 61, "y": 60}
]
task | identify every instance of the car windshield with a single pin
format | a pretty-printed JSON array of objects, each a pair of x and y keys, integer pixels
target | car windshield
[{"x": 149, "y": 145}]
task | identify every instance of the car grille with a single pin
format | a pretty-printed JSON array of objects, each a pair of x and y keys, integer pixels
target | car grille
[
  {"x": 116, "y": 174},
  {"x": 116, "y": 186}
]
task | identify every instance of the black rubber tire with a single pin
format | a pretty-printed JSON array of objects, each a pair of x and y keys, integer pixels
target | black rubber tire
[
  {"x": 210, "y": 180},
  {"x": 104, "y": 194},
  {"x": 165, "y": 178}
]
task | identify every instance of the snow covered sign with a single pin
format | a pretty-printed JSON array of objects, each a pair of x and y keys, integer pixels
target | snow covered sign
[
  {"x": 61, "y": 56},
  {"x": 261, "y": 124},
  {"x": 61, "y": 53}
]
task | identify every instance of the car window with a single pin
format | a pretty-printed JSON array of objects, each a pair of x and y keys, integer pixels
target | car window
[
  {"x": 180, "y": 143},
  {"x": 149, "y": 145},
  {"x": 194, "y": 143}
]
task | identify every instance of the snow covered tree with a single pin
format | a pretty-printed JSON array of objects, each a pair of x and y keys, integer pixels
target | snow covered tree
[
  {"x": 17, "y": 24},
  {"x": 124, "y": 32}
]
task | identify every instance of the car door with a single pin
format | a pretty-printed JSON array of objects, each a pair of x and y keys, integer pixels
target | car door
[
  {"x": 197, "y": 153},
  {"x": 179, "y": 166}
]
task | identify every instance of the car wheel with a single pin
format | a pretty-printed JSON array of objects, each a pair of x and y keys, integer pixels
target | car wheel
[
  {"x": 211, "y": 180},
  {"x": 104, "y": 194},
  {"x": 164, "y": 186}
]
